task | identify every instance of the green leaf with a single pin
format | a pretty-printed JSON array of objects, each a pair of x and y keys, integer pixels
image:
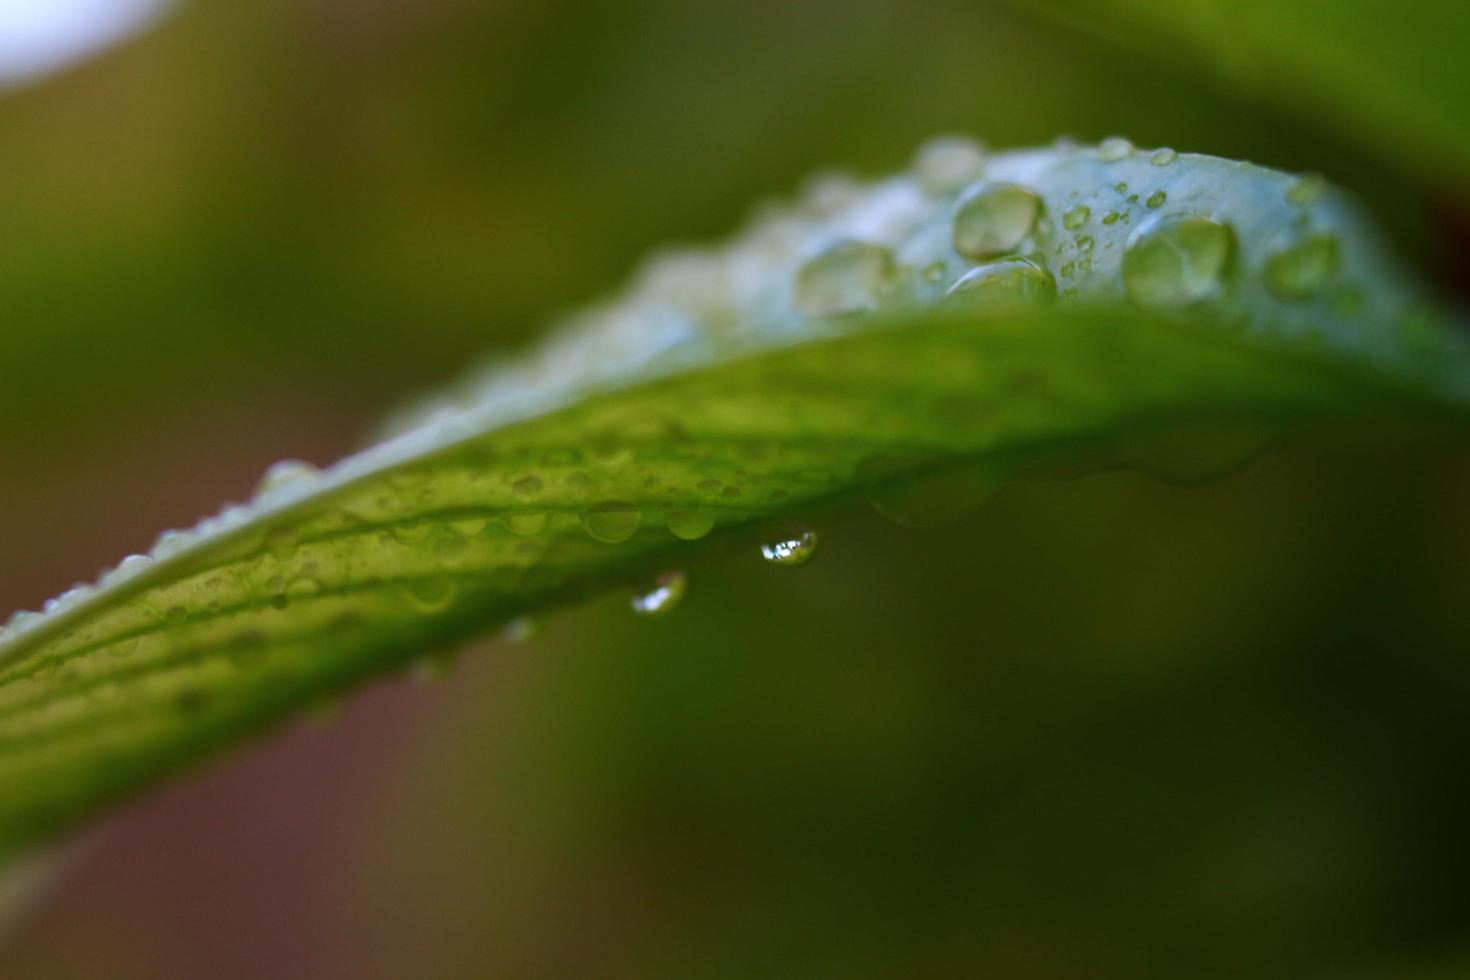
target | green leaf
[
  {"x": 1393, "y": 76},
  {"x": 918, "y": 339}
]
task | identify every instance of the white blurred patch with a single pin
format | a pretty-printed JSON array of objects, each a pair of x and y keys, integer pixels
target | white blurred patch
[{"x": 38, "y": 37}]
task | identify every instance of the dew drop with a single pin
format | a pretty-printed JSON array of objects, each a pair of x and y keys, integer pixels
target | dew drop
[
  {"x": 451, "y": 549},
  {"x": 1306, "y": 190},
  {"x": 412, "y": 533},
  {"x": 1111, "y": 218},
  {"x": 1175, "y": 260},
  {"x": 661, "y": 596},
  {"x": 1009, "y": 282},
  {"x": 469, "y": 526},
  {"x": 1076, "y": 217},
  {"x": 1113, "y": 149},
  {"x": 527, "y": 485},
  {"x": 1163, "y": 157},
  {"x": 937, "y": 500},
  {"x": 790, "y": 544},
  {"x": 947, "y": 164},
  {"x": 170, "y": 543},
  {"x": 286, "y": 473},
  {"x": 431, "y": 595},
  {"x": 525, "y": 524},
  {"x": 1299, "y": 271},
  {"x": 690, "y": 525},
  {"x": 1190, "y": 458},
  {"x": 1156, "y": 199},
  {"x": 612, "y": 521},
  {"x": 847, "y": 277},
  {"x": 994, "y": 219}
]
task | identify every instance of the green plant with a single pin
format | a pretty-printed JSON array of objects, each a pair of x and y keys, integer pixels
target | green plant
[{"x": 919, "y": 341}]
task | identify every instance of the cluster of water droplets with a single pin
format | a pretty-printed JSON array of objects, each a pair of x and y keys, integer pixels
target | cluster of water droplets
[{"x": 1259, "y": 250}]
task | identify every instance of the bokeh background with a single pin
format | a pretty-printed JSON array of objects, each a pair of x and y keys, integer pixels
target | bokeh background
[{"x": 1102, "y": 728}]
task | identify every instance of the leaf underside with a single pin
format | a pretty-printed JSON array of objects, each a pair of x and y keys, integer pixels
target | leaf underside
[{"x": 508, "y": 507}]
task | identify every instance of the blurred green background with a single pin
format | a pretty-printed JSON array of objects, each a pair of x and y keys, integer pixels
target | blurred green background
[{"x": 1103, "y": 728}]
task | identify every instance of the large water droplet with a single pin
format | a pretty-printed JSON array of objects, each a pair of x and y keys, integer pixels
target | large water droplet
[
  {"x": 1300, "y": 271},
  {"x": 937, "y": 500},
  {"x": 662, "y": 595},
  {"x": 612, "y": 521},
  {"x": 994, "y": 219},
  {"x": 690, "y": 525},
  {"x": 1010, "y": 282},
  {"x": 847, "y": 277},
  {"x": 1174, "y": 260},
  {"x": 790, "y": 544},
  {"x": 946, "y": 164}
]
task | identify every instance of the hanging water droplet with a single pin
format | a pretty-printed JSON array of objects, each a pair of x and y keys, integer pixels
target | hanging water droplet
[
  {"x": 1175, "y": 260},
  {"x": 1193, "y": 457},
  {"x": 790, "y": 544},
  {"x": 1300, "y": 271},
  {"x": 994, "y": 219},
  {"x": 286, "y": 473},
  {"x": 1163, "y": 157},
  {"x": 662, "y": 595},
  {"x": 1009, "y": 282},
  {"x": 937, "y": 500},
  {"x": 946, "y": 164},
  {"x": 1113, "y": 149},
  {"x": 1156, "y": 199},
  {"x": 612, "y": 521},
  {"x": 525, "y": 524},
  {"x": 1076, "y": 217},
  {"x": 469, "y": 526},
  {"x": 847, "y": 277},
  {"x": 690, "y": 525},
  {"x": 1306, "y": 190},
  {"x": 432, "y": 594}
]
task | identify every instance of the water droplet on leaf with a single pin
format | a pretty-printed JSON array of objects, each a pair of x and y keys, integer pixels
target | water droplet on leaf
[
  {"x": 690, "y": 525},
  {"x": 1300, "y": 271},
  {"x": 1175, "y": 260},
  {"x": 848, "y": 277},
  {"x": 994, "y": 219},
  {"x": 1010, "y": 282},
  {"x": 612, "y": 521}
]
